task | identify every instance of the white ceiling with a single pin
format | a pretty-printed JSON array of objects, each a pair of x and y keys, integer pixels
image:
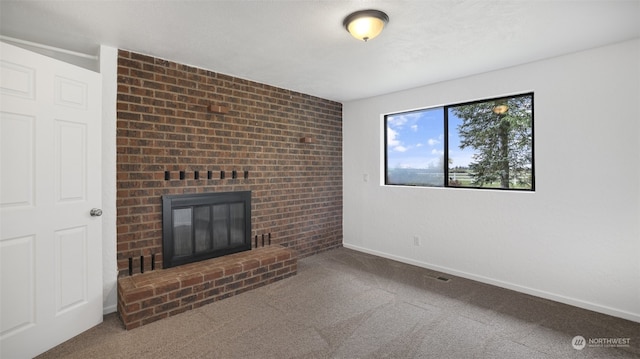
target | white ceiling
[{"x": 302, "y": 46}]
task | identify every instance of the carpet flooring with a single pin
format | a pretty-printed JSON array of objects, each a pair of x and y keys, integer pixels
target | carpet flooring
[{"x": 347, "y": 304}]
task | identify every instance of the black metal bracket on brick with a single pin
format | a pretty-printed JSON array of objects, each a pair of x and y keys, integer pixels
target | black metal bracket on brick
[
  {"x": 196, "y": 175},
  {"x": 268, "y": 239},
  {"x": 153, "y": 264}
]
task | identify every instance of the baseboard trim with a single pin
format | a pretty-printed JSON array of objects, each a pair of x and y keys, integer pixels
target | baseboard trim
[
  {"x": 109, "y": 309},
  {"x": 498, "y": 283}
]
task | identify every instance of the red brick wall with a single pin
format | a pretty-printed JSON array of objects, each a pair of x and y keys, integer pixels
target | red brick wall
[{"x": 164, "y": 125}]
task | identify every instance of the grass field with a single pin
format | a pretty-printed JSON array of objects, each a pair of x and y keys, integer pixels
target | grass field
[{"x": 434, "y": 178}]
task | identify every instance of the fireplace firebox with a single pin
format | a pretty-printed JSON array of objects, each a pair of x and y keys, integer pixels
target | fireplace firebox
[{"x": 200, "y": 226}]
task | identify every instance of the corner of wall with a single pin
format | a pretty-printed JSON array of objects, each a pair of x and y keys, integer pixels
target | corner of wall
[{"x": 109, "y": 72}]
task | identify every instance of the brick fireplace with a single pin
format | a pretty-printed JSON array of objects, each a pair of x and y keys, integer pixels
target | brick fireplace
[{"x": 182, "y": 129}]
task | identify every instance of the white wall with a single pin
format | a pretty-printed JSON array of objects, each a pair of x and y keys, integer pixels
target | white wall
[
  {"x": 576, "y": 239},
  {"x": 109, "y": 71}
]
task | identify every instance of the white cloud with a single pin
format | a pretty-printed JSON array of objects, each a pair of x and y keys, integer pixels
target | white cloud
[
  {"x": 391, "y": 137},
  {"x": 400, "y": 120},
  {"x": 432, "y": 142},
  {"x": 414, "y": 128},
  {"x": 393, "y": 142},
  {"x": 461, "y": 158},
  {"x": 396, "y": 121}
]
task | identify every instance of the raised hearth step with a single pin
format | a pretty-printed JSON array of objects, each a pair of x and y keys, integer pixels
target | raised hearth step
[{"x": 151, "y": 296}]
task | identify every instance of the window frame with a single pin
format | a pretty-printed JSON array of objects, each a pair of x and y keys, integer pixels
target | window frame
[{"x": 445, "y": 119}]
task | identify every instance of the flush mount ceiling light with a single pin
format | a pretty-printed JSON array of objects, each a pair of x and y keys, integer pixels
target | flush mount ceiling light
[{"x": 365, "y": 24}]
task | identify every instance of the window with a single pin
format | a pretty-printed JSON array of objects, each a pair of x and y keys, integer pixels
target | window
[{"x": 487, "y": 144}]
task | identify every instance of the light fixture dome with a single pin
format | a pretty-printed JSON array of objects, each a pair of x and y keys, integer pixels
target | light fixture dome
[{"x": 365, "y": 24}]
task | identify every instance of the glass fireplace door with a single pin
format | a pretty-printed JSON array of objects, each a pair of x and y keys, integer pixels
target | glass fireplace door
[{"x": 201, "y": 226}]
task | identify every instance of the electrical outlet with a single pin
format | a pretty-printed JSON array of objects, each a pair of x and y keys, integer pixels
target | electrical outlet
[{"x": 416, "y": 241}]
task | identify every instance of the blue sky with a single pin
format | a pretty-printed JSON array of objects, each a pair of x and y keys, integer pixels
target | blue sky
[{"x": 416, "y": 140}]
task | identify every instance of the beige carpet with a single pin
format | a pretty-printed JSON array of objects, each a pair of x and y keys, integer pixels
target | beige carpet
[{"x": 346, "y": 304}]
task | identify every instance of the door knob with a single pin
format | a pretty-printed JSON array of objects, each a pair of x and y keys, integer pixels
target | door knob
[{"x": 96, "y": 212}]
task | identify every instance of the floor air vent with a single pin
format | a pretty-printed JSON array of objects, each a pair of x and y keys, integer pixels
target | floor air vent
[{"x": 437, "y": 277}]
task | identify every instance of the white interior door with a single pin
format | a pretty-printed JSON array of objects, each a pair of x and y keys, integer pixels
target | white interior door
[{"x": 50, "y": 169}]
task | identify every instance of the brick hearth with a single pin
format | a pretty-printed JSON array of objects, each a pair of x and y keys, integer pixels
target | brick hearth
[{"x": 150, "y": 296}]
